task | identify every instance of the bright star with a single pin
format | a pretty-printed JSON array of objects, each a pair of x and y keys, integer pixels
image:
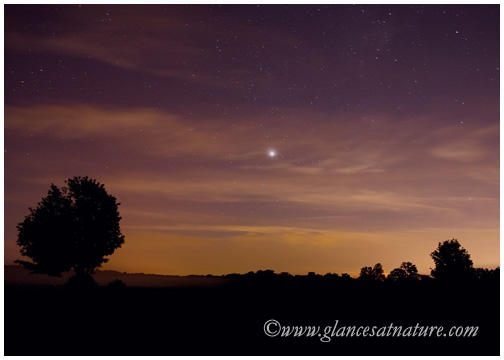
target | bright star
[{"x": 272, "y": 153}]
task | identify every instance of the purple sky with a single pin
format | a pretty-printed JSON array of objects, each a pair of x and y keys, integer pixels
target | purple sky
[{"x": 384, "y": 121}]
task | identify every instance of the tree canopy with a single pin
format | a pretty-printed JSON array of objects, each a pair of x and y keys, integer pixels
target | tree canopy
[
  {"x": 374, "y": 273},
  {"x": 452, "y": 261},
  {"x": 72, "y": 228},
  {"x": 407, "y": 271}
]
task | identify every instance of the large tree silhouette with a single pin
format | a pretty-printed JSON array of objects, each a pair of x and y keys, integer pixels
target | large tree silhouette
[
  {"x": 72, "y": 228},
  {"x": 452, "y": 261}
]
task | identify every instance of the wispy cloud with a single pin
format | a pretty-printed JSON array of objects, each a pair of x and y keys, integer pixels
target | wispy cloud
[{"x": 349, "y": 187}]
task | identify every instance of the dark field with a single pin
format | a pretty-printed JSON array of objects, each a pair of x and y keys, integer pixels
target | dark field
[{"x": 228, "y": 319}]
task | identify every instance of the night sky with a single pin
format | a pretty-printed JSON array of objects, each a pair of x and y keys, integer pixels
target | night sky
[{"x": 237, "y": 138}]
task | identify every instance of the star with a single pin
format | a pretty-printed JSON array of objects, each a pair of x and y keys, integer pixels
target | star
[{"x": 272, "y": 153}]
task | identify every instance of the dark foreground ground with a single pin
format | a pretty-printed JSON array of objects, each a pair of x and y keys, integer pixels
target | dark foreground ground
[{"x": 229, "y": 319}]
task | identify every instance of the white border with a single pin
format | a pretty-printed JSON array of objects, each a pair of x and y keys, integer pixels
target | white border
[{"x": 322, "y": 2}]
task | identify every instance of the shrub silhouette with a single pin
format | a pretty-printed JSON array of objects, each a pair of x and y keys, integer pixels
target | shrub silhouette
[
  {"x": 72, "y": 228},
  {"x": 372, "y": 273},
  {"x": 452, "y": 261},
  {"x": 116, "y": 285}
]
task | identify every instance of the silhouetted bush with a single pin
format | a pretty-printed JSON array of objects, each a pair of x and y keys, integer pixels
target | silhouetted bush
[
  {"x": 487, "y": 274},
  {"x": 116, "y": 285}
]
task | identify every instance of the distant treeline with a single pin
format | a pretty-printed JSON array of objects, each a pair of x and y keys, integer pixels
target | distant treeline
[
  {"x": 452, "y": 263},
  {"x": 479, "y": 274}
]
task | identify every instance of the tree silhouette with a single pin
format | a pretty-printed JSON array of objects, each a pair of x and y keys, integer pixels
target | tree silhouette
[
  {"x": 452, "y": 261},
  {"x": 487, "y": 274},
  {"x": 407, "y": 271},
  {"x": 372, "y": 273},
  {"x": 72, "y": 228},
  {"x": 410, "y": 269},
  {"x": 346, "y": 276},
  {"x": 397, "y": 274}
]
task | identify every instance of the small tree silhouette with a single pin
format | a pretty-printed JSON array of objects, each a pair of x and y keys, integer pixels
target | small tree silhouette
[
  {"x": 372, "y": 273},
  {"x": 452, "y": 261},
  {"x": 487, "y": 274},
  {"x": 72, "y": 228},
  {"x": 397, "y": 274},
  {"x": 407, "y": 271}
]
